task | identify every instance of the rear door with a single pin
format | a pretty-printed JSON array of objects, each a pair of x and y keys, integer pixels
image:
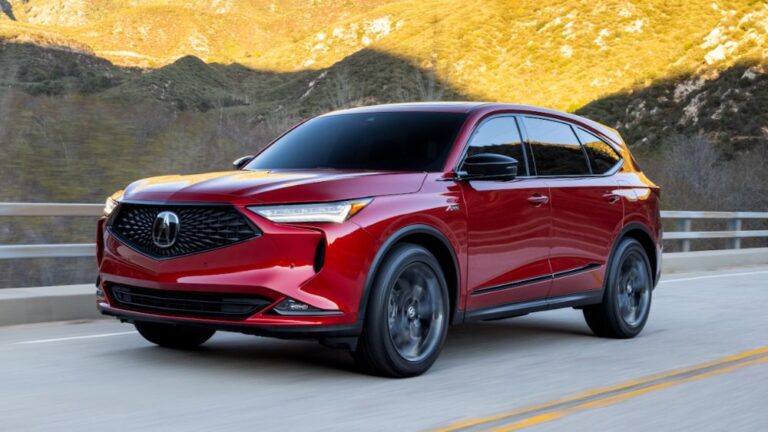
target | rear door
[
  {"x": 587, "y": 210},
  {"x": 508, "y": 224}
]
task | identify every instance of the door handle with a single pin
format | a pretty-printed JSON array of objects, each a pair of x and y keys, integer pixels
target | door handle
[
  {"x": 611, "y": 197},
  {"x": 538, "y": 199}
]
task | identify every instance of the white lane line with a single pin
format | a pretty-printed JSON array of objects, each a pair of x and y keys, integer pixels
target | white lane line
[
  {"x": 714, "y": 276},
  {"x": 102, "y": 335}
]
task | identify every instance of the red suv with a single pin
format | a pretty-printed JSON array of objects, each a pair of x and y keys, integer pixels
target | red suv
[{"x": 372, "y": 229}]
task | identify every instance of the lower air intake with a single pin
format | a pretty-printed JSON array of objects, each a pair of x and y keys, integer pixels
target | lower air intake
[{"x": 231, "y": 306}]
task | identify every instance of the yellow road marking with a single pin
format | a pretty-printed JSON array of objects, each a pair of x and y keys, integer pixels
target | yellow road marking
[
  {"x": 532, "y": 421},
  {"x": 611, "y": 395}
]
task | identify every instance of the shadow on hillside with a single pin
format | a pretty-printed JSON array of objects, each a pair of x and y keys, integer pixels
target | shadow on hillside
[
  {"x": 704, "y": 141},
  {"x": 729, "y": 108},
  {"x": 7, "y": 8},
  {"x": 366, "y": 77}
]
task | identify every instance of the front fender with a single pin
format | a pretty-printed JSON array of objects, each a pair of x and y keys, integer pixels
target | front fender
[{"x": 438, "y": 213}]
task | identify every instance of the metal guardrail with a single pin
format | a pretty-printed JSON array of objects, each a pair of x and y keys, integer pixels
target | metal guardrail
[
  {"x": 49, "y": 250},
  {"x": 684, "y": 234},
  {"x": 50, "y": 209},
  {"x": 63, "y": 250},
  {"x": 733, "y": 219}
]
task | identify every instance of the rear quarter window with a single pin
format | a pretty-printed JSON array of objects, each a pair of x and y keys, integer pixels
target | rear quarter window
[{"x": 602, "y": 157}]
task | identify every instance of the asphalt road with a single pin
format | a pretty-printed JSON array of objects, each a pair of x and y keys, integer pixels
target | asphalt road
[{"x": 701, "y": 364}]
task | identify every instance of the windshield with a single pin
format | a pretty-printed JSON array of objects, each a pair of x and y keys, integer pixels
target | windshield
[{"x": 389, "y": 141}]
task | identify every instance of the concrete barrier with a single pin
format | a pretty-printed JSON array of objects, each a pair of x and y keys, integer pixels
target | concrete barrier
[
  {"x": 42, "y": 304},
  {"x": 712, "y": 260},
  {"x": 72, "y": 302}
]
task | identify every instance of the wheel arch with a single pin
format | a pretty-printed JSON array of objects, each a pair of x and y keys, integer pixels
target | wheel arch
[
  {"x": 642, "y": 234},
  {"x": 435, "y": 242}
]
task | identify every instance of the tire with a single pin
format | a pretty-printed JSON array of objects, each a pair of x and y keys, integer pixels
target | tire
[
  {"x": 627, "y": 294},
  {"x": 407, "y": 315},
  {"x": 173, "y": 336}
]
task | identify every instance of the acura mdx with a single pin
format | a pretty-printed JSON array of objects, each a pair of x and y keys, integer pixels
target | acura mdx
[{"x": 373, "y": 229}]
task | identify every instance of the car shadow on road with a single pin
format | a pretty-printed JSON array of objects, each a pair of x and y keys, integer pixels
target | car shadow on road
[
  {"x": 522, "y": 329},
  {"x": 230, "y": 353},
  {"x": 490, "y": 336}
]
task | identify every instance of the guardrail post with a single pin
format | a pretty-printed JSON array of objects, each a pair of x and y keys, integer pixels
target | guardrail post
[
  {"x": 684, "y": 224},
  {"x": 735, "y": 225}
]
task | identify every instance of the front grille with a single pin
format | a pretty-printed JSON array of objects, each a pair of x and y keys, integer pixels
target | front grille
[
  {"x": 231, "y": 306},
  {"x": 201, "y": 228}
]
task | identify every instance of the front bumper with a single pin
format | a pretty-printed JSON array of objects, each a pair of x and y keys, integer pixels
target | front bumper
[
  {"x": 299, "y": 330},
  {"x": 282, "y": 263}
]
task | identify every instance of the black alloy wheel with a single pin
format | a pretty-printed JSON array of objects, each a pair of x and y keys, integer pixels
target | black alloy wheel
[
  {"x": 627, "y": 296},
  {"x": 407, "y": 315}
]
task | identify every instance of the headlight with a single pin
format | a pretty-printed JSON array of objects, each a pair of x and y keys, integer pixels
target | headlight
[
  {"x": 336, "y": 212},
  {"x": 112, "y": 202}
]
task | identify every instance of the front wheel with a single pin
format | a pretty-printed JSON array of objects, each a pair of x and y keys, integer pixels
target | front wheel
[
  {"x": 407, "y": 315},
  {"x": 173, "y": 336},
  {"x": 627, "y": 296}
]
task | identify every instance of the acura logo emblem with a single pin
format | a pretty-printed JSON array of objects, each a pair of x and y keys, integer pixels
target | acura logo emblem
[{"x": 165, "y": 229}]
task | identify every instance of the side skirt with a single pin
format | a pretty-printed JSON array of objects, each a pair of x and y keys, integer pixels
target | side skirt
[
  {"x": 586, "y": 268},
  {"x": 517, "y": 309}
]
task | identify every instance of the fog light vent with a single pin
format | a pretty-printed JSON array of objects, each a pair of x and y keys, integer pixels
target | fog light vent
[{"x": 290, "y": 306}]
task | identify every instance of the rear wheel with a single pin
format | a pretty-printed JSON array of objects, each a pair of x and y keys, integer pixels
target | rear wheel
[
  {"x": 627, "y": 297},
  {"x": 407, "y": 315},
  {"x": 173, "y": 336}
]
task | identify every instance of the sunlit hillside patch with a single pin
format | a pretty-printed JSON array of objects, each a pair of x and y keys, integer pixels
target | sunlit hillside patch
[{"x": 561, "y": 54}]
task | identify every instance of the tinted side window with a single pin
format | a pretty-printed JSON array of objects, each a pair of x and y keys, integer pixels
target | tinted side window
[
  {"x": 499, "y": 135},
  {"x": 602, "y": 157},
  {"x": 556, "y": 151}
]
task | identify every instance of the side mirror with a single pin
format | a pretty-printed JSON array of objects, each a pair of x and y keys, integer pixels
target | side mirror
[
  {"x": 489, "y": 166},
  {"x": 242, "y": 161}
]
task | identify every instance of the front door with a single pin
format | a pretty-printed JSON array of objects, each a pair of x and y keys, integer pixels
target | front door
[{"x": 508, "y": 225}]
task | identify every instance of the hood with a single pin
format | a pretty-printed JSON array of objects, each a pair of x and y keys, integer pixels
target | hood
[{"x": 273, "y": 187}]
